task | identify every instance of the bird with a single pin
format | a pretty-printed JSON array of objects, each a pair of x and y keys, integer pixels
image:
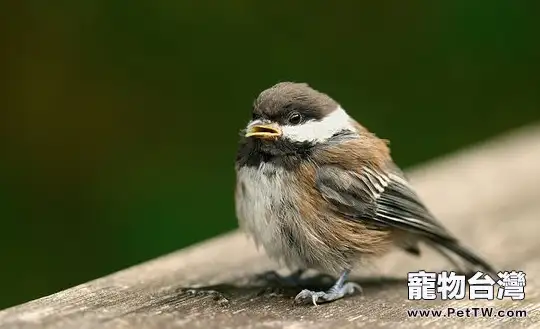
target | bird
[{"x": 319, "y": 191}]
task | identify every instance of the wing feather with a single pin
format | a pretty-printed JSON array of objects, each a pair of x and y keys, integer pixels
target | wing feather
[{"x": 384, "y": 198}]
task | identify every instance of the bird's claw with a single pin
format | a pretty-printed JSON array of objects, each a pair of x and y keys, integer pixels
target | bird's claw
[{"x": 333, "y": 294}]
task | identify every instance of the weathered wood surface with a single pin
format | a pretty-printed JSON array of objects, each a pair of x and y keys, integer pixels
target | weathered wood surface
[{"x": 489, "y": 195}]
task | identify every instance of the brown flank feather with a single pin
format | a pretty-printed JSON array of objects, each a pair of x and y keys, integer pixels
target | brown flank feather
[{"x": 321, "y": 220}]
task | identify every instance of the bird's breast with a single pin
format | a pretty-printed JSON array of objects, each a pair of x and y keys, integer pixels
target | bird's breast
[
  {"x": 265, "y": 206},
  {"x": 272, "y": 207}
]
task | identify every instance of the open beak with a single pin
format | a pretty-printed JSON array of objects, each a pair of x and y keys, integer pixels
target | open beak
[{"x": 264, "y": 131}]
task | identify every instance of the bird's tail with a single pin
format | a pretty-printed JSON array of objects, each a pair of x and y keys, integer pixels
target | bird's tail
[{"x": 473, "y": 261}]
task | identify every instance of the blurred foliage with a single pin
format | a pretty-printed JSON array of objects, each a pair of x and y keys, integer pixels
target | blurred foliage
[{"x": 119, "y": 119}]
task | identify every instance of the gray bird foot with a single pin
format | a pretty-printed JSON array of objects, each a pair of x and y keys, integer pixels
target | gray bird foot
[{"x": 334, "y": 293}]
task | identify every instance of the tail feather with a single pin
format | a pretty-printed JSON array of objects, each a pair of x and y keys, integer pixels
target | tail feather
[{"x": 474, "y": 261}]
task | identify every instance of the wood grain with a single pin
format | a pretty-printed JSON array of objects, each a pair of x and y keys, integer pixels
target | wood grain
[{"x": 489, "y": 195}]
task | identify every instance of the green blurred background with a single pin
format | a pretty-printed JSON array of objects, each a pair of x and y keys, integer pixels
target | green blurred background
[{"x": 119, "y": 119}]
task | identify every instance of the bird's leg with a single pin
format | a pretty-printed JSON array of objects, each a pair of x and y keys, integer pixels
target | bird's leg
[{"x": 337, "y": 291}]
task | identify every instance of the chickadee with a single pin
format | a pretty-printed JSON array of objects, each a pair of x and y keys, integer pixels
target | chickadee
[{"x": 318, "y": 190}]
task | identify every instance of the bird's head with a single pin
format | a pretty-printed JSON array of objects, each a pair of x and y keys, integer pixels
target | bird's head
[{"x": 295, "y": 113}]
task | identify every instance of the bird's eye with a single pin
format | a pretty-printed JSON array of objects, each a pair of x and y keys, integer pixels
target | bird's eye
[{"x": 294, "y": 118}]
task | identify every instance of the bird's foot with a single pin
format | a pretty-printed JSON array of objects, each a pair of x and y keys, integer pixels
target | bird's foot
[{"x": 334, "y": 293}]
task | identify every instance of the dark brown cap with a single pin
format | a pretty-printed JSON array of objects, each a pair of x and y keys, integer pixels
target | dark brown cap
[{"x": 278, "y": 101}]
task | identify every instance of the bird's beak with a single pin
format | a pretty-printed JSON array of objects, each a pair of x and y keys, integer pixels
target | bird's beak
[{"x": 264, "y": 131}]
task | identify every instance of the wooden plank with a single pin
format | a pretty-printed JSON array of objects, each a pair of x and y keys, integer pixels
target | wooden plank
[{"x": 489, "y": 195}]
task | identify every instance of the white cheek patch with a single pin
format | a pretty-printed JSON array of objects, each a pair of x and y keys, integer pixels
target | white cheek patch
[{"x": 319, "y": 131}]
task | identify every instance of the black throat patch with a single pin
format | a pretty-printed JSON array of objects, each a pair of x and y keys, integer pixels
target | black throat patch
[{"x": 283, "y": 153}]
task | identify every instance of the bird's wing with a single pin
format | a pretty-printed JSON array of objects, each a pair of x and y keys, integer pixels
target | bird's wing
[{"x": 383, "y": 198}]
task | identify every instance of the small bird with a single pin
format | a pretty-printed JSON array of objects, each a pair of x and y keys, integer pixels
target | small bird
[{"x": 319, "y": 191}]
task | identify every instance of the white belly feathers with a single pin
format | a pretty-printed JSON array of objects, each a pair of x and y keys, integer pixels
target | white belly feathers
[{"x": 261, "y": 196}]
